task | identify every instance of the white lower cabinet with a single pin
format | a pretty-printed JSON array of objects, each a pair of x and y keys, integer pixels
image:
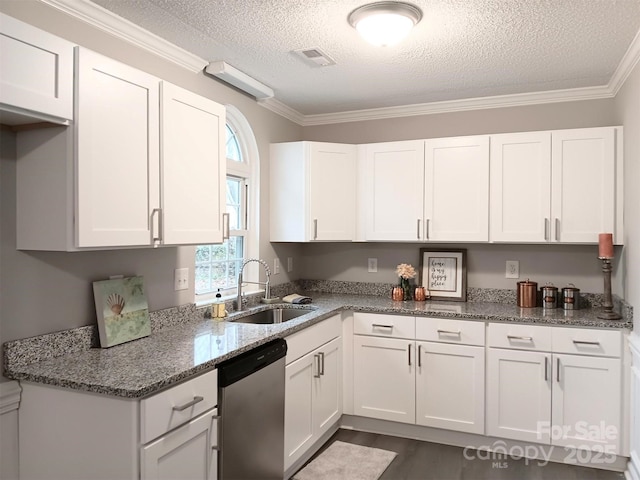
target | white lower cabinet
[
  {"x": 443, "y": 403},
  {"x": 384, "y": 378},
  {"x": 567, "y": 399},
  {"x": 313, "y": 388},
  {"x": 187, "y": 453}
]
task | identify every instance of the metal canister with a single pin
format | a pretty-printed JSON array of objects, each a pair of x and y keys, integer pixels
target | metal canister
[
  {"x": 549, "y": 296},
  {"x": 571, "y": 297},
  {"x": 526, "y": 294}
]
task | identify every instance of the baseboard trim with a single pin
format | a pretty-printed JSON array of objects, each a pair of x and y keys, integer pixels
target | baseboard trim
[{"x": 485, "y": 444}]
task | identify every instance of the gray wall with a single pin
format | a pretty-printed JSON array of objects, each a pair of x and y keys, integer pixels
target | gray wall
[
  {"x": 627, "y": 104},
  {"x": 560, "y": 264},
  {"x": 44, "y": 292}
]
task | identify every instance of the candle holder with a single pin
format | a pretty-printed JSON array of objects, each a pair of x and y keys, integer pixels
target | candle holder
[{"x": 608, "y": 313}]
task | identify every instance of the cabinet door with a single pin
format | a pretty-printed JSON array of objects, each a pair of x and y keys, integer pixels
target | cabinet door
[
  {"x": 298, "y": 408},
  {"x": 441, "y": 403},
  {"x": 521, "y": 187},
  {"x": 193, "y": 167},
  {"x": 583, "y": 184},
  {"x": 392, "y": 200},
  {"x": 36, "y": 78},
  {"x": 327, "y": 395},
  {"x": 518, "y": 395},
  {"x": 187, "y": 453},
  {"x": 384, "y": 378},
  {"x": 587, "y": 424},
  {"x": 117, "y": 162},
  {"x": 457, "y": 189},
  {"x": 332, "y": 191}
]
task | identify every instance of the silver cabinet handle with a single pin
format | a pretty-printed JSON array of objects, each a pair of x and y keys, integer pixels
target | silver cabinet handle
[
  {"x": 449, "y": 332},
  {"x": 219, "y": 446},
  {"x": 427, "y": 234},
  {"x": 584, "y": 342},
  {"x": 195, "y": 400},
  {"x": 316, "y": 361},
  {"x": 418, "y": 229},
  {"x": 557, "y": 229},
  {"x": 516, "y": 337},
  {"x": 546, "y": 229},
  {"x": 159, "y": 212},
  {"x": 546, "y": 369},
  {"x": 558, "y": 370},
  {"x": 380, "y": 325},
  {"x": 226, "y": 230},
  {"x": 315, "y": 228},
  {"x": 419, "y": 355},
  {"x": 409, "y": 350},
  {"x": 321, "y": 363}
]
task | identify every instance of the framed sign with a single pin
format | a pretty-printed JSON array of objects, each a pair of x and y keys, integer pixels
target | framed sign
[{"x": 443, "y": 272}]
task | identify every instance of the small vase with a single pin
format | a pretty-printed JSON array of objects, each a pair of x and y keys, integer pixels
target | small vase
[{"x": 406, "y": 287}]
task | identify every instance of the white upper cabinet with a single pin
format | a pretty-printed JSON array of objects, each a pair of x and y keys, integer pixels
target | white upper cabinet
[
  {"x": 521, "y": 187},
  {"x": 193, "y": 174},
  {"x": 117, "y": 152},
  {"x": 456, "y": 192},
  {"x": 393, "y": 185},
  {"x": 559, "y": 187},
  {"x": 36, "y": 78},
  {"x": 313, "y": 192},
  {"x": 583, "y": 185}
]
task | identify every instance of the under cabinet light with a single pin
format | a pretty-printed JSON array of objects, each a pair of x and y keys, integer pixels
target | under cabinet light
[{"x": 239, "y": 79}]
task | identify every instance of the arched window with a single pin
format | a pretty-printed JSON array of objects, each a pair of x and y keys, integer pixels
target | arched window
[{"x": 217, "y": 266}]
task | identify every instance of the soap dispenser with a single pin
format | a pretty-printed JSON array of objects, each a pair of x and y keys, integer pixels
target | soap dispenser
[{"x": 218, "y": 308}]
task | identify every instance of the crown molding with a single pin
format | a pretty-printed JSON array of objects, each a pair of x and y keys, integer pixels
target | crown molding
[
  {"x": 626, "y": 65},
  {"x": 283, "y": 110},
  {"x": 117, "y": 26},
  {"x": 479, "y": 103}
]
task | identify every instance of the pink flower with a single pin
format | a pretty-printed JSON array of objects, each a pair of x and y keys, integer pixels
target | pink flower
[{"x": 405, "y": 271}]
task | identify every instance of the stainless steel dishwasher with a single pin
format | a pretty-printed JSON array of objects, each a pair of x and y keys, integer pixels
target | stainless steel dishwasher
[{"x": 251, "y": 406}]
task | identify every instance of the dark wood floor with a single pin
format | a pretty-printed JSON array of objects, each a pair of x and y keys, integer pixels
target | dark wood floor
[{"x": 418, "y": 460}]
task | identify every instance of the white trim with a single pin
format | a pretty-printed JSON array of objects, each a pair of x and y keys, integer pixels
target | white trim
[
  {"x": 111, "y": 23},
  {"x": 9, "y": 396},
  {"x": 117, "y": 26}
]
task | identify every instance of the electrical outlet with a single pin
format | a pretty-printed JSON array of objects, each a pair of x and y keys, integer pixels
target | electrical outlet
[
  {"x": 372, "y": 265},
  {"x": 276, "y": 266},
  {"x": 289, "y": 264},
  {"x": 512, "y": 269},
  {"x": 181, "y": 279}
]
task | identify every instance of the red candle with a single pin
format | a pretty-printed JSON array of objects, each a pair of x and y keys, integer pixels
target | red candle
[{"x": 605, "y": 245}]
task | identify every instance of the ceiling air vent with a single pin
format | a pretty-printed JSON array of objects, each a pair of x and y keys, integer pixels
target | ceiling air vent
[{"x": 316, "y": 56}]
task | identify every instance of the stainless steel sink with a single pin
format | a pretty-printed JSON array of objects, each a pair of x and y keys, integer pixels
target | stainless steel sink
[{"x": 275, "y": 315}]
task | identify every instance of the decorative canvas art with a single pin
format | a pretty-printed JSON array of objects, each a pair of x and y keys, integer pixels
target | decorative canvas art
[{"x": 122, "y": 310}]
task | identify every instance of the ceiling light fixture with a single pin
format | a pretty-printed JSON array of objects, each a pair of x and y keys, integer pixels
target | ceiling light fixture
[{"x": 385, "y": 23}]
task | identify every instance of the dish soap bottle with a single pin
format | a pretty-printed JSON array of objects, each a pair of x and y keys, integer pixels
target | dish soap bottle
[{"x": 218, "y": 308}]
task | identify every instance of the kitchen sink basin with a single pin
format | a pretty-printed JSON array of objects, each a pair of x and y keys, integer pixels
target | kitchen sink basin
[{"x": 275, "y": 315}]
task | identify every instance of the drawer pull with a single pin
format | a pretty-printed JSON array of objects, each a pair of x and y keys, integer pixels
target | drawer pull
[
  {"x": 409, "y": 350},
  {"x": 516, "y": 337},
  {"x": 449, "y": 332},
  {"x": 195, "y": 400},
  {"x": 379, "y": 325},
  {"x": 546, "y": 369},
  {"x": 321, "y": 363},
  {"x": 217, "y": 419},
  {"x": 558, "y": 370},
  {"x": 419, "y": 355},
  {"x": 584, "y": 342},
  {"x": 316, "y": 361}
]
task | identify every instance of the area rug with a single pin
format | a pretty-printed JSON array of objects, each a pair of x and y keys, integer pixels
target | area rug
[{"x": 345, "y": 461}]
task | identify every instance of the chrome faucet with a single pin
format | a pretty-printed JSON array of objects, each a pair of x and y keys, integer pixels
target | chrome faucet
[{"x": 267, "y": 288}]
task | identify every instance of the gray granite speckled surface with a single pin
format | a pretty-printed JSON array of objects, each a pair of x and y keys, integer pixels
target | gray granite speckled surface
[{"x": 180, "y": 348}]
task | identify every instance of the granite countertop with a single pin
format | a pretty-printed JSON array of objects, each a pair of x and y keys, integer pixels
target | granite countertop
[{"x": 196, "y": 344}]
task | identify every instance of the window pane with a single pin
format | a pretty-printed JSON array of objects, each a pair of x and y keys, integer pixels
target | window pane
[
  {"x": 203, "y": 279},
  {"x": 203, "y": 254},
  {"x": 233, "y": 191},
  {"x": 217, "y": 266},
  {"x": 233, "y": 148}
]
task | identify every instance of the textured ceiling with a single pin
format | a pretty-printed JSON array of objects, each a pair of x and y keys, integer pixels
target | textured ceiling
[{"x": 461, "y": 48}]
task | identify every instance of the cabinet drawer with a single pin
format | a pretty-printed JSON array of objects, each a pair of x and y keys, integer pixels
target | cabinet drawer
[
  {"x": 166, "y": 410},
  {"x": 587, "y": 341},
  {"x": 384, "y": 325},
  {"x": 304, "y": 341},
  {"x": 523, "y": 337},
  {"x": 450, "y": 331}
]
